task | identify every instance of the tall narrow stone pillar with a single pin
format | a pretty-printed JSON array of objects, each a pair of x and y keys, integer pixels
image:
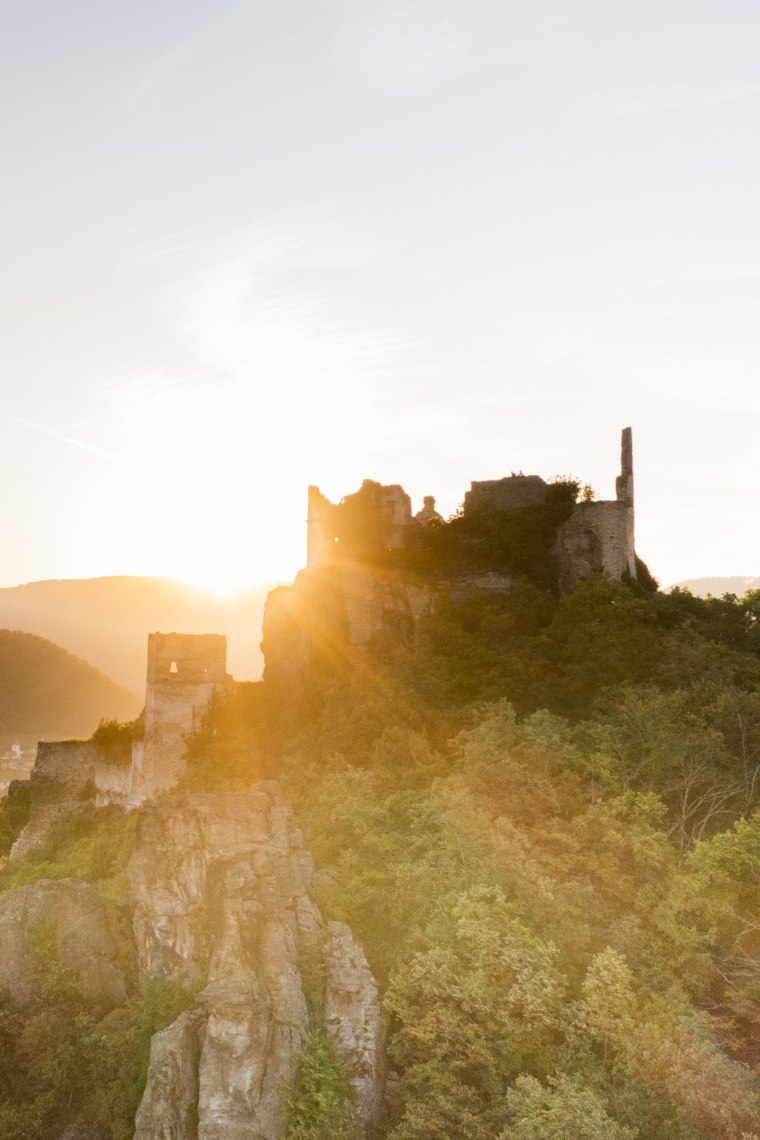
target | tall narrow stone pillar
[{"x": 624, "y": 481}]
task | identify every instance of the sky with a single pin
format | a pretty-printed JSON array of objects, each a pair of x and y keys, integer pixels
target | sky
[{"x": 255, "y": 245}]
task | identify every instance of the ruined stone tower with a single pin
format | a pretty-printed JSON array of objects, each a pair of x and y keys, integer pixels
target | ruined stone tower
[
  {"x": 600, "y": 535},
  {"x": 184, "y": 672}
]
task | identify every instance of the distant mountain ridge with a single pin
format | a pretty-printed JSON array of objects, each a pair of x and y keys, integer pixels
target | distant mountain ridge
[
  {"x": 734, "y": 584},
  {"x": 49, "y": 693},
  {"x": 106, "y": 621}
]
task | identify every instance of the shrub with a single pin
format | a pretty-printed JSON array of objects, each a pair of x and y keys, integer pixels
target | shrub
[
  {"x": 318, "y": 1103},
  {"x": 114, "y": 738}
]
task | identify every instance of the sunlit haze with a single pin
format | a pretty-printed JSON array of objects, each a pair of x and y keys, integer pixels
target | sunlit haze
[{"x": 253, "y": 246}]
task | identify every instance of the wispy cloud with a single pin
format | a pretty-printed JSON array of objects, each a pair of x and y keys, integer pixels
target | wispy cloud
[
  {"x": 273, "y": 311},
  {"x": 270, "y": 329},
  {"x": 82, "y": 445},
  {"x": 651, "y": 100}
]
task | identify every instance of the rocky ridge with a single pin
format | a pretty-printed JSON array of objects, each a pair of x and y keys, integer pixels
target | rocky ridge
[{"x": 220, "y": 886}]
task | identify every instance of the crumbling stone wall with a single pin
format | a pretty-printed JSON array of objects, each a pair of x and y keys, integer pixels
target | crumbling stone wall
[
  {"x": 374, "y": 519},
  {"x": 597, "y": 536},
  {"x": 62, "y": 782},
  {"x": 184, "y": 672},
  {"x": 507, "y": 494},
  {"x": 428, "y": 513}
]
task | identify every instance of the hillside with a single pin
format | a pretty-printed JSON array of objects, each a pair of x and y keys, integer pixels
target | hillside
[
  {"x": 107, "y": 620},
  {"x": 48, "y": 693},
  {"x": 538, "y": 817}
]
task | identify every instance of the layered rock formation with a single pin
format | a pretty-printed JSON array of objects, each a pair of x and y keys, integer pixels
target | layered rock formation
[{"x": 220, "y": 888}]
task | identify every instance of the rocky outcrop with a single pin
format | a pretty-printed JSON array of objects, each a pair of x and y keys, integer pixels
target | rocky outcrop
[
  {"x": 352, "y": 1017},
  {"x": 220, "y": 888},
  {"x": 84, "y": 932},
  {"x": 327, "y": 615},
  {"x": 171, "y": 1110}
]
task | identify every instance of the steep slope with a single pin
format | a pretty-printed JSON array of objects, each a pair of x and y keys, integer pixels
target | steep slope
[
  {"x": 107, "y": 620},
  {"x": 47, "y": 692}
]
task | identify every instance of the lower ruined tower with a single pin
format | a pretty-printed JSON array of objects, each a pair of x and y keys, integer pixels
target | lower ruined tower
[{"x": 184, "y": 672}]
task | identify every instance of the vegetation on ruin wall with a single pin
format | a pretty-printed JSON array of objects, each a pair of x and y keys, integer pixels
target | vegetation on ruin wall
[
  {"x": 516, "y": 541},
  {"x": 115, "y": 738},
  {"x": 14, "y": 814},
  {"x": 511, "y": 541}
]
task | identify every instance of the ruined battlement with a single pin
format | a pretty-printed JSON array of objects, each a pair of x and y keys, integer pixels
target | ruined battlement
[
  {"x": 181, "y": 659},
  {"x": 507, "y": 494},
  {"x": 375, "y": 517}
]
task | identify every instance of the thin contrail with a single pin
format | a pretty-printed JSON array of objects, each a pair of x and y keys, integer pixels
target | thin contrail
[{"x": 100, "y": 452}]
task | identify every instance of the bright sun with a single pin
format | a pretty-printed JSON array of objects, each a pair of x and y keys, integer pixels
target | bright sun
[
  {"x": 232, "y": 516},
  {"x": 229, "y": 559}
]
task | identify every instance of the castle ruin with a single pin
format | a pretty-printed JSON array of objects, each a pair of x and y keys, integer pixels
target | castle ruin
[
  {"x": 342, "y": 596},
  {"x": 597, "y": 536}
]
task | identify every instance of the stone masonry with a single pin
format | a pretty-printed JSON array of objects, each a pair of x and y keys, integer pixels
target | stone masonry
[{"x": 184, "y": 672}]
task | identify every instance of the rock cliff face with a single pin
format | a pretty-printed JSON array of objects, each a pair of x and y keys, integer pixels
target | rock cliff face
[
  {"x": 85, "y": 933},
  {"x": 329, "y": 613},
  {"x": 220, "y": 889}
]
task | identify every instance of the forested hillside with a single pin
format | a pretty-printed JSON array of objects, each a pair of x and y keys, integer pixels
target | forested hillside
[
  {"x": 48, "y": 693},
  {"x": 539, "y": 819}
]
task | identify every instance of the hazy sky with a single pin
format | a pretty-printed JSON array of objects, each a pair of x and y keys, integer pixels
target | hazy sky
[{"x": 257, "y": 245}]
